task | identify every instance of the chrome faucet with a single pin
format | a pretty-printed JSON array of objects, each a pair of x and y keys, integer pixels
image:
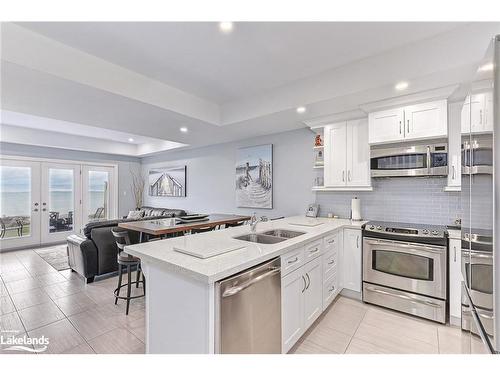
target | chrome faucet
[{"x": 254, "y": 221}]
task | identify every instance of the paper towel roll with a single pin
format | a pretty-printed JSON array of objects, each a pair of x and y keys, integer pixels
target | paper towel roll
[{"x": 356, "y": 209}]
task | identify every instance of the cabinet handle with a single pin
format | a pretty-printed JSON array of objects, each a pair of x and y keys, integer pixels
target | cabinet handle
[
  {"x": 399, "y": 126},
  {"x": 408, "y": 126},
  {"x": 481, "y": 117},
  {"x": 453, "y": 174},
  {"x": 331, "y": 241},
  {"x": 332, "y": 288},
  {"x": 308, "y": 281},
  {"x": 349, "y": 175},
  {"x": 293, "y": 261},
  {"x": 343, "y": 173},
  {"x": 455, "y": 255},
  {"x": 331, "y": 262},
  {"x": 313, "y": 251},
  {"x": 304, "y": 280},
  {"x": 357, "y": 242}
]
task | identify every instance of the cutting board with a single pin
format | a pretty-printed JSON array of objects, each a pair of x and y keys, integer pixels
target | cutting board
[
  {"x": 305, "y": 222},
  {"x": 203, "y": 247}
]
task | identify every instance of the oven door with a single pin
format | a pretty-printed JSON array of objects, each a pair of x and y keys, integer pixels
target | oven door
[
  {"x": 477, "y": 271},
  {"x": 419, "y": 160},
  {"x": 406, "y": 266}
]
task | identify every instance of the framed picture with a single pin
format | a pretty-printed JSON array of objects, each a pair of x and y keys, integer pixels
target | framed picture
[
  {"x": 254, "y": 177},
  {"x": 167, "y": 182}
]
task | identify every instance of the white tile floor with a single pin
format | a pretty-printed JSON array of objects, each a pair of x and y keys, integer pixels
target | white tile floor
[{"x": 36, "y": 299}]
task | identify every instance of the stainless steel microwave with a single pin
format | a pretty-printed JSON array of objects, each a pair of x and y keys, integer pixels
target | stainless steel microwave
[{"x": 411, "y": 160}]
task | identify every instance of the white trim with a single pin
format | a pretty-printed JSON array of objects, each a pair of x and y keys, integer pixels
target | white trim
[
  {"x": 346, "y": 188},
  {"x": 64, "y": 161}
]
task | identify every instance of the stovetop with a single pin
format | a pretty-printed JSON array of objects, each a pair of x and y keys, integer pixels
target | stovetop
[{"x": 431, "y": 234}]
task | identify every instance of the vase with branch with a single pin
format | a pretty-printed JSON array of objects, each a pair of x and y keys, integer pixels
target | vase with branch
[{"x": 137, "y": 186}]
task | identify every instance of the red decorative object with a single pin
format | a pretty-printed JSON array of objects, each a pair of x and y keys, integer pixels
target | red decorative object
[{"x": 318, "y": 141}]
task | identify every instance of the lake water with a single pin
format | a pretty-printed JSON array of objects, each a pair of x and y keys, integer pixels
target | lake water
[{"x": 19, "y": 203}]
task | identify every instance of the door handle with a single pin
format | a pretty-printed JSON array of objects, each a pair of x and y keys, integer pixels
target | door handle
[
  {"x": 357, "y": 242},
  {"x": 453, "y": 174},
  {"x": 304, "y": 280},
  {"x": 399, "y": 126},
  {"x": 308, "y": 281},
  {"x": 408, "y": 126},
  {"x": 343, "y": 173},
  {"x": 235, "y": 290},
  {"x": 349, "y": 175}
]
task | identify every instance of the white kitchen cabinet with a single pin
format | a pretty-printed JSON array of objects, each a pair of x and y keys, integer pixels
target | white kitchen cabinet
[
  {"x": 292, "y": 308},
  {"x": 351, "y": 259},
  {"x": 335, "y": 147},
  {"x": 455, "y": 272},
  {"x": 478, "y": 112},
  {"x": 414, "y": 122},
  {"x": 386, "y": 126},
  {"x": 347, "y": 155},
  {"x": 313, "y": 294},
  {"x": 358, "y": 153}
]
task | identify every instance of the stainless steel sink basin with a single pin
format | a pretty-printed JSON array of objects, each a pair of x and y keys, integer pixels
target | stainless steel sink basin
[
  {"x": 260, "y": 238},
  {"x": 283, "y": 233}
]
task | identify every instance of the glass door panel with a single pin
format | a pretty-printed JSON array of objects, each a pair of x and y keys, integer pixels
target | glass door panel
[
  {"x": 60, "y": 201},
  {"x": 19, "y": 203},
  {"x": 99, "y": 197}
]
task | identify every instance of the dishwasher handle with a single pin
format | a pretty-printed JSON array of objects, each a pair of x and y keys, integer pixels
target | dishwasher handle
[{"x": 236, "y": 289}]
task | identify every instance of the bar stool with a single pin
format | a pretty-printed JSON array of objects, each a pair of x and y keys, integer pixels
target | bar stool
[
  {"x": 203, "y": 229},
  {"x": 125, "y": 260}
]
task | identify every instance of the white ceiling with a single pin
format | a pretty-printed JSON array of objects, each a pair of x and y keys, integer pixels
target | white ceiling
[
  {"x": 256, "y": 57},
  {"x": 150, "y": 79}
]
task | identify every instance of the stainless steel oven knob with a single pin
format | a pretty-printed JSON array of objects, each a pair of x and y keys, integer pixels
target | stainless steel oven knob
[
  {"x": 435, "y": 233},
  {"x": 379, "y": 227},
  {"x": 372, "y": 227},
  {"x": 425, "y": 231}
]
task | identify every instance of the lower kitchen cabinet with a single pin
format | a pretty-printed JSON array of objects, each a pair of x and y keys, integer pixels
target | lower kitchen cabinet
[
  {"x": 351, "y": 259},
  {"x": 455, "y": 275},
  {"x": 301, "y": 301}
]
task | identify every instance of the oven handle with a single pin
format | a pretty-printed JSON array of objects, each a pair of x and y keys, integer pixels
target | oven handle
[
  {"x": 477, "y": 254},
  {"x": 428, "y": 248},
  {"x": 403, "y": 296}
]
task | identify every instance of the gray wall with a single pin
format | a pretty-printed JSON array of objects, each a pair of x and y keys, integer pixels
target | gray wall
[
  {"x": 125, "y": 197},
  {"x": 211, "y": 175},
  {"x": 412, "y": 200}
]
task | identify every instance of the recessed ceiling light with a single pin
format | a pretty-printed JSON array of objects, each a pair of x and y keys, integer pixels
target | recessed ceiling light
[
  {"x": 401, "y": 86},
  {"x": 301, "y": 109},
  {"x": 183, "y": 129},
  {"x": 226, "y": 27},
  {"x": 131, "y": 139},
  {"x": 486, "y": 67}
]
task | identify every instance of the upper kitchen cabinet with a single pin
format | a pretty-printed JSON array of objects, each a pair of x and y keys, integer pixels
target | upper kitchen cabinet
[
  {"x": 347, "y": 156},
  {"x": 414, "y": 122},
  {"x": 477, "y": 111}
]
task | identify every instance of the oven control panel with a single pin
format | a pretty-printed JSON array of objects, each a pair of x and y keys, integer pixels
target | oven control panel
[{"x": 406, "y": 230}]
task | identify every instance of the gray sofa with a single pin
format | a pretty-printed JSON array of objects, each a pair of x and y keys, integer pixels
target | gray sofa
[{"x": 94, "y": 252}]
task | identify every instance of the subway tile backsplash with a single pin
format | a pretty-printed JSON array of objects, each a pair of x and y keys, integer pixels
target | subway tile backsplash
[{"x": 412, "y": 200}]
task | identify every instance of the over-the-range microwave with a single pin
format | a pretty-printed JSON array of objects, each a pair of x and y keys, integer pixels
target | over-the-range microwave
[{"x": 409, "y": 160}]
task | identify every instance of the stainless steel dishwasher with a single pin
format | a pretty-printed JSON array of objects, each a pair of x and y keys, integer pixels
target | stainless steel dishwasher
[{"x": 248, "y": 311}]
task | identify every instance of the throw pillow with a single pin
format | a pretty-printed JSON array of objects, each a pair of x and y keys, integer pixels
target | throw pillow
[{"x": 135, "y": 214}]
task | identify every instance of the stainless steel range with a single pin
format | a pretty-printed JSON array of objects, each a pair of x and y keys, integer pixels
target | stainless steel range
[{"x": 405, "y": 268}]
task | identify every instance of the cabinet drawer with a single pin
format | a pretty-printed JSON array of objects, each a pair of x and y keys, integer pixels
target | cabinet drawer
[
  {"x": 330, "y": 290},
  {"x": 313, "y": 250},
  {"x": 330, "y": 261},
  {"x": 332, "y": 242},
  {"x": 291, "y": 261}
]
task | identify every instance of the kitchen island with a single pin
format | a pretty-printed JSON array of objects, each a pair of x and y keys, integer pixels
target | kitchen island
[{"x": 180, "y": 296}]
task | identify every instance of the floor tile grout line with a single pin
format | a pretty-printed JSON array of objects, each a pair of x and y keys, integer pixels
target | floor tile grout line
[{"x": 356, "y": 330}]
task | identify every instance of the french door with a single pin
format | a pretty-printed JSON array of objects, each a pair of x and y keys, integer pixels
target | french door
[{"x": 43, "y": 202}]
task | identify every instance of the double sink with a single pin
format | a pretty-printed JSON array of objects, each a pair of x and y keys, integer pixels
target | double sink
[{"x": 270, "y": 236}]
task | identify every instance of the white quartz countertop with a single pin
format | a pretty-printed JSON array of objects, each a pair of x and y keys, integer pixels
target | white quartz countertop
[{"x": 162, "y": 254}]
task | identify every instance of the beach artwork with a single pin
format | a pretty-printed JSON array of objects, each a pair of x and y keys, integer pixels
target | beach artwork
[
  {"x": 167, "y": 182},
  {"x": 254, "y": 177}
]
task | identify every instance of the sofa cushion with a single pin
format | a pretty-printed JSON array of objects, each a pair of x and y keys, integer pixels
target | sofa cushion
[{"x": 167, "y": 212}]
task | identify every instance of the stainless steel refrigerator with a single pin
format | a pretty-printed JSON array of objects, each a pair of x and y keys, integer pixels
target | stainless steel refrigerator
[{"x": 480, "y": 206}]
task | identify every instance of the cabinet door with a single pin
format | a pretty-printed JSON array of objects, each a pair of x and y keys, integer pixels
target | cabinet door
[
  {"x": 385, "y": 126},
  {"x": 454, "y": 145},
  {"x": 293, "y": 287},
  {"x": 426, "y": 120},
  {"x": 313, "y": 295},
  {"x": 335, "y": 155},
  {"x": 455, "y": 278},
  {"x": 351, "y": 259},
  {"x": 358, "y": 153}
]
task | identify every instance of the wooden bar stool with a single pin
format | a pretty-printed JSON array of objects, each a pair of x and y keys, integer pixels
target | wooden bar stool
[{"x": 128, "y": 261}]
